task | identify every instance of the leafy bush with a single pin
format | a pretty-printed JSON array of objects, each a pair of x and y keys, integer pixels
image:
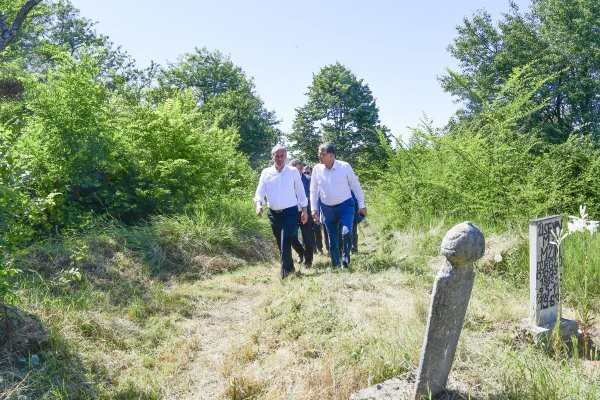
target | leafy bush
[
  {"x": 177, "y": 158},
  {"x": 487, "y": 170},
  {"x": 84, "y": 151}
]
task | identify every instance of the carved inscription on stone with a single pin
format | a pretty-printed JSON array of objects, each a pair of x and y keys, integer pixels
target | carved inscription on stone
[
  {"x": 547, "y": 266},
  {"x": 544, "y": 270}
]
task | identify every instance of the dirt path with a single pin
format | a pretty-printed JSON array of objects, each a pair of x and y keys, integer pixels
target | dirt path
[
  {"x": 216, "y": 327},
  {"x": 230, "y": 310}
]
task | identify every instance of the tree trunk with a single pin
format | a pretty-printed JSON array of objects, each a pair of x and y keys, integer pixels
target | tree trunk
[{"x": 8, "y": 34}]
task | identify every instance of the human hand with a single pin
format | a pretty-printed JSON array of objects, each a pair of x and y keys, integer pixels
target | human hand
[
  {"x": 363, "y": 211},
  {"x": 304, "y": 217},
  {"x": 315, "y": 217},
  {"x": 259, "y": 211}
]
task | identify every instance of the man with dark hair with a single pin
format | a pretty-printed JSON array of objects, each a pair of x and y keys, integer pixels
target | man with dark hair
[
  {"x": 332, "y": 184},
  {"x": 306, "y": 248},
  {"x": 282, "y": 186}
]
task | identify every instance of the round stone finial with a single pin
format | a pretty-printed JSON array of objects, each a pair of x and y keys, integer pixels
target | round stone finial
[{"x": 463, "y": 244}]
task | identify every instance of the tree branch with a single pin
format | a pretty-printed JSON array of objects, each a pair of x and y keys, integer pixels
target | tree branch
[{"x": 7, "y": 35}]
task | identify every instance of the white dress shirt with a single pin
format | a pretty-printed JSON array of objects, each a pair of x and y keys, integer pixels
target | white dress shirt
[
  {"x": 283, "y": 189},
  {"x": 333, "y": 186}
]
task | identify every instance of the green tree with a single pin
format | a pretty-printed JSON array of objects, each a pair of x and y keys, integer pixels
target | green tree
[
  {"x": 65, "y": 145},
  {"x": 340, "y": 110},
  {"x": 9, "y": 33},
  {"x": 178, "y": 157},
  {"x": 559, "y": 38},
  {"x": 224, "y": 94},
  {"x": 57, "y": 27},
  {"x": 84, "y": 150}
]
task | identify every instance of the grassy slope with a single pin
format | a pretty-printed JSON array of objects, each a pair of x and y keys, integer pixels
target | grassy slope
[{"x": 213, "y": 325}]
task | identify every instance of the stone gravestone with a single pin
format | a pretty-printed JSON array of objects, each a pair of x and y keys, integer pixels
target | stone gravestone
[
  {"x": 544, "y": 283},
  {"x": 545, "y": 269},
  {"x": 462, "y": 245}
]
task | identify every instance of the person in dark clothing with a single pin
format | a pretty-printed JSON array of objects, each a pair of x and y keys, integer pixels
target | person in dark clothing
[
  {"x": 305, "y": 249},
  {"x": 358, "y": 217},
  {"x": 317, "y": 228},
  {"x": 318, "y": 237}
]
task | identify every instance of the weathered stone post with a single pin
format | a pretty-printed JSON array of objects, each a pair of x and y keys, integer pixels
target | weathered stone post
[{"x": 462, "y": 245}]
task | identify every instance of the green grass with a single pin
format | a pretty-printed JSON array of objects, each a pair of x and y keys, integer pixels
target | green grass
[
  {"x": 115, "y": 333},
  {"x": 165, "y": 307},
  {"x": 581, "y": 268},
  {"x": 531, "y": 375}
]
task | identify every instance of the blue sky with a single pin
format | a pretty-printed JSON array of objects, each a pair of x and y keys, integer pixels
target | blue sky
[{"x": 398, "y": 48}]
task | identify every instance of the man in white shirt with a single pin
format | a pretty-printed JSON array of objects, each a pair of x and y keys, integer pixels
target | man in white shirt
[
  {"x": 284, "y": 191},
  {"x": 331, "y": 185}
]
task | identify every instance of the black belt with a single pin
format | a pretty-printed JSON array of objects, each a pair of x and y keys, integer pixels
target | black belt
[{"x": 282, "y": 210}]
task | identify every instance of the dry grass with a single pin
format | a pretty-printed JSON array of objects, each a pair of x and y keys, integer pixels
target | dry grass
[
  {"x": 323, "y": 334},
  {"x": 243, "y": 333}
]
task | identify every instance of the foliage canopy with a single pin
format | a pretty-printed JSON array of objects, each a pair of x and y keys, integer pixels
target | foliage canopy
[
  {"x": 224, "y": 94},
  {"x": 340, "y": 110},
  {"x": 560, "y": 39}
]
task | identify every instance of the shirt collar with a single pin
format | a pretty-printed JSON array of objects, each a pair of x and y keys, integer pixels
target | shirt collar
[{"x": 274, "y": 169}]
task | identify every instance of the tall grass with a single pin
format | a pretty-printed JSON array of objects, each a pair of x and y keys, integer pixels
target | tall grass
[
  {"x": 493, "y": 180},
  {"x": 136, "y": 328},
  {"x": 531, "y": 375},
  {"x": 114, "y": 333},
  {"x": 581, "y": 259}
]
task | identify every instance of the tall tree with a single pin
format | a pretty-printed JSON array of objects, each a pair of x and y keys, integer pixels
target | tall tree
[
  {"x": 226, "y": 95},
  {"x": 51, "y": 30},
  {"x": 560, "y": 39},
  {"x": 340, "y": 110},
  {"x": 56, "y": 27},
  {"x": 9, "y": 33}
]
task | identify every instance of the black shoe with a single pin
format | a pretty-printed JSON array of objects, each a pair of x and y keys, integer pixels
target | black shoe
[
  {"x": 285, "y": 274},
  {"x": 345, "y": 265}
]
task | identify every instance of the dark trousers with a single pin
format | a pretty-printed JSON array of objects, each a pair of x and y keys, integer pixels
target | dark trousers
[
  {"x": 318, "y": 237},
  {"x": 306, "y": 248},
  {"x": 283, "y": 225},
  {"x": 355, "y": 236},
  {"x": 339, "y": 218}
]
